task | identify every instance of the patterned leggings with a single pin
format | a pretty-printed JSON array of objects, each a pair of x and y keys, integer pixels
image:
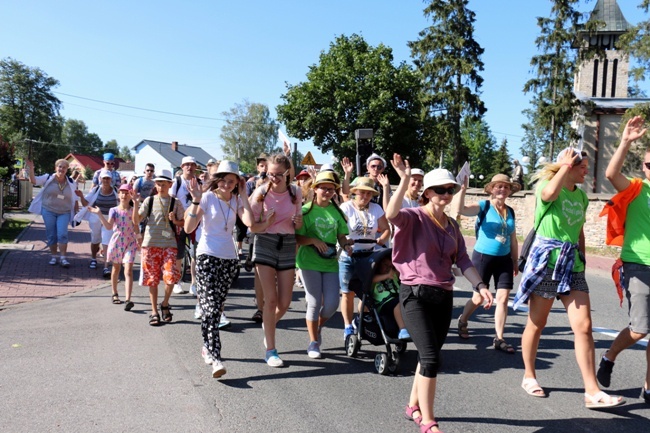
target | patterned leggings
[{"x": 213, "y": 277}]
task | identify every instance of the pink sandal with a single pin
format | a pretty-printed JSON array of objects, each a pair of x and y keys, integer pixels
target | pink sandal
[
  {"x": 426, "y": 428},
  {"x": 409, "y": 414}
]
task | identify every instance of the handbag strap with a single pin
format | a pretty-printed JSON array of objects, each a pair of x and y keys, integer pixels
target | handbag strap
[{"x": 543, "y": 215}]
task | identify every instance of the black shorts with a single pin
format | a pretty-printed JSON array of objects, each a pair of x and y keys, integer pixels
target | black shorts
[
  {"x": 498, "y": 267},
  {"x": 275, "y": 250}
]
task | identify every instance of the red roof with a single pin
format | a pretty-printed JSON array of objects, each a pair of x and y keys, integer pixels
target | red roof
[{"x": 94, "y": 162}]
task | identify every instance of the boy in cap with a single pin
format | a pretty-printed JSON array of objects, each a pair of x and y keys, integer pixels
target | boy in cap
[{"x": 109, "y": 165}]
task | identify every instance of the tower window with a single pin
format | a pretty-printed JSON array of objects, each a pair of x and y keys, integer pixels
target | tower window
[
  {"x": 594, "y": 84},
  {"x": 614, "y": 69},
  {"x": 603, "y": 92}
]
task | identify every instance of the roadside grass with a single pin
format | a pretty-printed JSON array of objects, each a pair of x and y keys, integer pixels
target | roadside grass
[{"x": 11, "y": 229}]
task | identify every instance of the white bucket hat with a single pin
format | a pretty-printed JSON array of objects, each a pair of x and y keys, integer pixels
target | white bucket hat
[
  {"x": 165, "y": 175},
  {"x": 417, "y": 172},
  {"x": 188, "y": 160},
  {"x": 438, "y": 177},
  {"x": 228, "y": 167},
  {"x": 373, "y": 157}
]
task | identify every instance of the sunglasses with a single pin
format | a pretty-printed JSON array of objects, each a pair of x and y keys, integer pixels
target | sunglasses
[
  {"x": 109, "y": 163},
  {"x": 149, "y": 171},
  {"x": 441, "y": 190},
  {"x": 647, "y": 165},
  {"x": 377, "y": 167}
]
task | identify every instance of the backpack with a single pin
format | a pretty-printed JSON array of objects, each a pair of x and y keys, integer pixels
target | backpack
[
  {"x": 143, "y": 225},
  {"x": 483, "y": 212}
]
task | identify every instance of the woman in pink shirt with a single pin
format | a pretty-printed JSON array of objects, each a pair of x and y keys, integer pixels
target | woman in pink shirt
[
  {"x": 427, "y": 278},
  {"x": 277, "y": 209}
]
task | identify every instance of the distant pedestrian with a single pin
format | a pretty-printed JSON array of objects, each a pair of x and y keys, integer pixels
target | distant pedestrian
[
  {"x": 216, "y": 210},
  {"x": 57, "y": 204},
  {"x": 159, "y": 246},
  {"x": 634, "y": 196},
  {"x": 518, "y": 174},
  {"x": 556, "y": 270},
  {"x": 123, "y": 244},
  {"x": 109, "y": 165}
]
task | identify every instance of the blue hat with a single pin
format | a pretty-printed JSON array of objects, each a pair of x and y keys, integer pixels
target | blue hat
[{"x": 109, "y": 156}]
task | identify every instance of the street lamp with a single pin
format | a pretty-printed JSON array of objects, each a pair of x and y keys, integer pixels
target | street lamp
[
  {"x": 471, "y": 176},
  {"x": 362, "y": 134}
]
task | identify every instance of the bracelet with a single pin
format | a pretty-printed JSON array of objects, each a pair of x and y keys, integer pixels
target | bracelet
[
  {"x": 196, "y": 203},
  {"x": 191, "y": 215}
]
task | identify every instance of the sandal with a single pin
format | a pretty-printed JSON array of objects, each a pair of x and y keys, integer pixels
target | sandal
[
  {"x": 409, "y": 414},
  {"x": 166, "y": 315},
  {"x": 426, "y": 428},
  {"x": 128, "y": 305},
  {"x": 500, "y": 344},
  {"x": 531, "y": 387},
  {"x": 257, "y": 317},
  {"x": 116, "y": 299},
  {"x": 601, "y": 400},
  {"x": 154, "y": 320},
  {"x": 462, "y": 329}
]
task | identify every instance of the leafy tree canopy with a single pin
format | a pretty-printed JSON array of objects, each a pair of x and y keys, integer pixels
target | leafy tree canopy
[
  {"x": 356, "y": 86},
  {"x": 249, "y": 131},
  {"x": 636, "y": 42}
]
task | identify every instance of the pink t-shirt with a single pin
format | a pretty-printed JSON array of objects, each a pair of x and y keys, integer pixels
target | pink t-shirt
[
  {"x": 284, "y": 209},
  {"x": 423, "y": 253}
]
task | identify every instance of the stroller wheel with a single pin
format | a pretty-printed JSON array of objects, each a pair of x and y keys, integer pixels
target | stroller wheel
[
  {"x": 381, "y": 363},
  {"x": 400, "y": 347},
  {"x": 394, "y": 363},
  {"x": 352, "y": 345}
]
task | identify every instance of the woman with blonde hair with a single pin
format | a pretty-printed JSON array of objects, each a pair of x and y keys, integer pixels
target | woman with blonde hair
[
  {"x": 277, "y": 211},
  {"x": 555, "y": 269}
]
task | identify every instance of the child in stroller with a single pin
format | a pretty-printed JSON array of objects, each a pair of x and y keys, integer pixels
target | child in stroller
[
  {"x": 378, "y": 329},
  {"x": 385, "y": 294}
]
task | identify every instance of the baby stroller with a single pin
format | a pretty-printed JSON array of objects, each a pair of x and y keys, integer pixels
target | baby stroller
[{"x": 370, "y": 325}]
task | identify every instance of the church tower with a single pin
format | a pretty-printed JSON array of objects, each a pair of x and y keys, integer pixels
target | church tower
[{"x": 607, "y": 77}]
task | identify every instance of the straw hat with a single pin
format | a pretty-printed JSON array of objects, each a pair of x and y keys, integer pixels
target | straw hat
[
  {"x": 325, "y": 177},
  {"x": 364, "y": 184},
  {"x": 502, "y": 178},
  {"x": 438, "y": 177}
]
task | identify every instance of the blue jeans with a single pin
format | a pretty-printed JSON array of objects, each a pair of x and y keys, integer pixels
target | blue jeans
[{"x": 56, "y": 227}]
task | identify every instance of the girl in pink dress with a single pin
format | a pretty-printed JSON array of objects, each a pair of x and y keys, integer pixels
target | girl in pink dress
[{"x": 123, "y": 245}]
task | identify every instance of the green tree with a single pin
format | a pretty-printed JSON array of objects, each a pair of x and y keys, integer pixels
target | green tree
[
  {"x": 29, "y": 110},
  {"x": 480, "y": 144},
  {"x": 532, "y": 149},
  {"x": 356, "y": 86},
  {"x": 77, "y": 139},
  {"x": 249, "y": 131},
  {"x": 6, "y": 160},
  {"x": 636, "y": 43},
  {"x": 632, "y": 166},
  {"x": 554, "y": 103},
  {"x": 125, "y": 153},
  {"x": 502, "y": 161},
  {"x": 449, "y": 59}
]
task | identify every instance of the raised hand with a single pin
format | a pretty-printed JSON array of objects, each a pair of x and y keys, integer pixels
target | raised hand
[
  {"x": 195, "y": 189},
  {"x": 347, "y": 166},
  {"x": 383, "y": 180},
  {"x": 401, "y": 166},
  {"x": 634, "y": 129},
  {"x": 570, "y": 157}
]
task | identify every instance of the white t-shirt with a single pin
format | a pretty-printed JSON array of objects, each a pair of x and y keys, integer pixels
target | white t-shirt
[
  {"x": 217, "y": 225},
  {"x": 183, "y": 193},
  {"x": 407, "y": 202},
  {"x": 362, "y": 224}
]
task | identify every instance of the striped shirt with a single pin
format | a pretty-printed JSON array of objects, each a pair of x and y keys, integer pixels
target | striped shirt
[{"x": 159, "y": 223}]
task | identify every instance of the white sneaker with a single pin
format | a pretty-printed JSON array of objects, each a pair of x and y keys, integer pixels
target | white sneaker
[
  {"x": 223, "y": 322},
  {"x": 206, "y": 356},
  {"x": 272, "y": 359},
  {"x": 218, "y": 369},
  {"x": 313, "y": 351},
  {"x": 178, "y": 289},
  {"x": 193, "y": 289},
  {"x": 198, "y": 312}
]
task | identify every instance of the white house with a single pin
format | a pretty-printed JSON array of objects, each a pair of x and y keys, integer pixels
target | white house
[{"x": 167, "y": 155}]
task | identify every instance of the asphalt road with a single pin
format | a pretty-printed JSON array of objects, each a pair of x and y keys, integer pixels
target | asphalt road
[{"x": 79, "y": 364}]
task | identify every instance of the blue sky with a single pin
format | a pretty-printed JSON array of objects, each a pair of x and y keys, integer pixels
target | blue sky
[{"x": 202, "y": 57}]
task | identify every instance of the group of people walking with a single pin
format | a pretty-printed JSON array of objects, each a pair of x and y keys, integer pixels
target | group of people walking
[{"x": 340, "y": 222}]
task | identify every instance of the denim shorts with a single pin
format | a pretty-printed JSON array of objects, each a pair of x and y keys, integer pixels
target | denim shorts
[{"x": 637, "y": 282}]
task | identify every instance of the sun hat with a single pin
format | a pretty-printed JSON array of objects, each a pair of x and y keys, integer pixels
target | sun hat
[
  {"x": 228, "y": 167},
  {"x": 417, "y": 172},
  {"x": 326, "y": 167},
  {"x": 165, "y": 175},
  {"x": 303, "y": 173},
  {"x": 263, "y": 157},
  {"x": 362, "y": 183},
  {"x": 373, "y": 157},
  {"x": 563, "y": 152},
  {"x": 439, "y": 176},
  {"x": 108, "y": 156},
  {"x": 125, "y": 187},
  {"x": 325, "y": 177},
  {"x": 211, "y": 161},
  {"x": 502, "y": 178},
  {"x": 105, "y": 173},
  {"x": 188, "y": 160}
]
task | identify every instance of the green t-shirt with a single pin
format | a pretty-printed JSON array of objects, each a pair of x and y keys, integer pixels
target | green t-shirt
[
  {"x": 383, "y": 291},
  {"x": 636, "y": 242},
  {"x": 563, "y": 221},
  {"x": 324, "y": 223}
]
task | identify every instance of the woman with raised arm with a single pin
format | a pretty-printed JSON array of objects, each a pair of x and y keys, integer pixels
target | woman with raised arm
[
  {"x": 427, "y": 279},
  {"x": 555, "y": 269},
  {"x": 217, "y": 260},
  {"x": 495, "y": 252}
]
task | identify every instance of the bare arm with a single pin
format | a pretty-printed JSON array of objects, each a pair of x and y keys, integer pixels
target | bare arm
[
  {"x": 514, "y": 251},
  {"x": 402, "y": 168},
  {"x": 384, "y": 227},
  {"x": 633, "y": 131},
  {"x": 348, "y": 168},
  {"x": 475, "y": 279},
  {"x": 245, "y": 212},
  {"x": 194, "y": 213},
  {"x": 472, "y": 209},
  {"x": 553, "y": 188},
  {"x": 106, "y": 223}
]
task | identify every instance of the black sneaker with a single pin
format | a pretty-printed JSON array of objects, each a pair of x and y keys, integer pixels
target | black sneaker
[
  {"x": 646, "y": 396},
  {"x": 248, "y": 265},
  {"x": 107, "y": 273},
  {"x": 604, "y": 373}
]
